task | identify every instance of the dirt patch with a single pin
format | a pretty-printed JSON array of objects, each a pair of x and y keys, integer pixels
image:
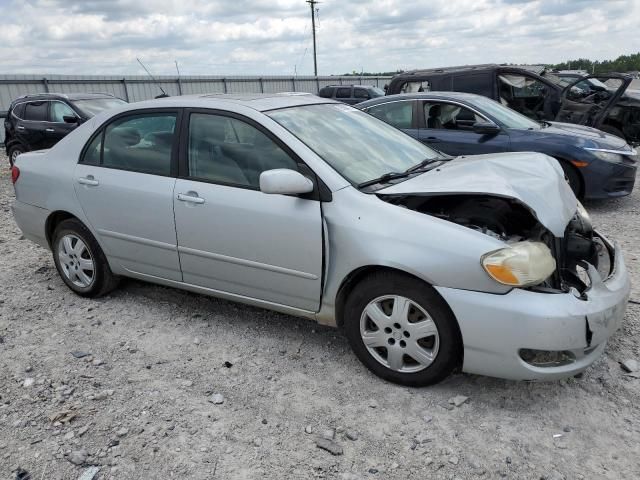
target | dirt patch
[{"x": 152, "y": 382}]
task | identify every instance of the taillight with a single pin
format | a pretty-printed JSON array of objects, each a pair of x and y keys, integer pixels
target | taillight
[{"x": 15, "y": 174}]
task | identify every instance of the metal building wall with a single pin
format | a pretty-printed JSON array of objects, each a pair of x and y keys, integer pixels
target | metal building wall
[{"x": 136, "y": 88}]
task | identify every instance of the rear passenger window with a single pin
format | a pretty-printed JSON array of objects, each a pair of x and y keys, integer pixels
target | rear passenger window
[
  {"x": 399, "y": 114},
  {"x": 229, "y": 151},
  {"x": 343, "y": 93},
  {"x": 360, "y": 93},
  {"x": 141, "y": 143},
  {"x": 36, "y": 111}
]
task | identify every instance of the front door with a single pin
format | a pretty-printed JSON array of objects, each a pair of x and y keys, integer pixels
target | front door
[
  {"x": 125, "y": 182},
  {"x": 232, "y": 237},
  {"x": 58, "y": 128},
  {"x": 448, "y": 127}
]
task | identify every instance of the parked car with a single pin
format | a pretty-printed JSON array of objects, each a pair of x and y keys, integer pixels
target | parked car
[
  {"x": 351, "y": 94},
  {"x": 36, "y": 122},
  {"x": 538, "y": 97},
  {"x": 624, "y": 118},
  {"x": 597, "y": 165},
  {"x": 313, "y": 208}
]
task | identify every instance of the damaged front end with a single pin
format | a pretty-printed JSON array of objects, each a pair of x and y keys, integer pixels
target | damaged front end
[{"x": 510, "y": 221}]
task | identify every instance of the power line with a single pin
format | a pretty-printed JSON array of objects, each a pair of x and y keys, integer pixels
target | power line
[{"x": 312, "y": 4}]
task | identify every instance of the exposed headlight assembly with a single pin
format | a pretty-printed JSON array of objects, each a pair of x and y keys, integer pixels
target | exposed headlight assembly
[{"x": 521, "y": 264}]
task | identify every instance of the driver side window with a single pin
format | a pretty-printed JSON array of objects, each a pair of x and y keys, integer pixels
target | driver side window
[{"x": 450, "y": 116}]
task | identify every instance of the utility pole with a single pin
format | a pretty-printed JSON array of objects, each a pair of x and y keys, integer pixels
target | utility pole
[{"x": 312, "y": 4}]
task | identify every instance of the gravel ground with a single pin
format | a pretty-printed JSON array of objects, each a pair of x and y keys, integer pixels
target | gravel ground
[{"x": 142, "y": 404}]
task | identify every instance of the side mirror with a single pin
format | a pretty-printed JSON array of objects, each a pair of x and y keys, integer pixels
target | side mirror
[
  {"x": 284, "y": 181},
  {"x": 486, "y": 128},
  {"x": 70, "y": 119}
]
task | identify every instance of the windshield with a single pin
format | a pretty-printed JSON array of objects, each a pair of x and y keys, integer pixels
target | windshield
[
  {"x": 376, "y": 92},
  {"x": 94, "y": 106},
  {"x": 504, "y": 116},
  {"x": 358, "y": 146}
]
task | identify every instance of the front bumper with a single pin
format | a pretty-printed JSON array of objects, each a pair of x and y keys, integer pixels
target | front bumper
[
  {"x": 495, "y": 328},
  {"x": 609, "y": 180}
]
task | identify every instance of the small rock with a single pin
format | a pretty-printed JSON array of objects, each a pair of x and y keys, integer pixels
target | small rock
[
  {"x": 257, "y": 442},
  {"x": 83, "y": 430},
  {"x": 308, "y": 429},
  {"x": 566, "y": 429},
  {"x": 330, "y": 446},
  {"x": 428, "y": 461},
  {"x": 187, "y": 383},
  {"x": 351, "y": 435},
  {"x": 97, "y": 362},
  {"x": 630, "y": 365},
  {"x": 196, "y": 341},
  {"x": 373, "y": 403},
  {"x": 329, "y": 434},
  {"x": 89, "y": 473},
  {"x": 122, "y": 432},
  {"x": 216, "y": 399},
  {"x": 458, "y": 400},
  {"x": 264, "y": 421},
  {"x": 228, "y": 364},
  {"x": 427, "y": 418},
  {"x": 80, "y": 354},
  {"x": 28, "y": 382},
  {"x": 78, "y": 457},
  {"x": 454, "y": 460},
  {"x": 28, "y": 369},
  {"x": 69, "y": 435},
  {"x": 508, "y": 460},
  {"x": 394, "y": 465}
]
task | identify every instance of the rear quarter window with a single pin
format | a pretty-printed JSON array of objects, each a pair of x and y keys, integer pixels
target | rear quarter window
[
  {"x": 18, "y": 110},
  {"x": 478, "y": 83}
]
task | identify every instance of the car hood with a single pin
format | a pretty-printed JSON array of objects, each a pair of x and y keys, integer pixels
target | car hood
[
  {"x": 584, "y": 136},
  {"x": 534, "y": 179}
]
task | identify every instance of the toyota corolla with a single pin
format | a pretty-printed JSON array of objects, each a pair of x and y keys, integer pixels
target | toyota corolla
[{"x": 313, "y": 208}]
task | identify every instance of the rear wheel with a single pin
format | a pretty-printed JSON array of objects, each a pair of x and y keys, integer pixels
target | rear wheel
[
  {"x": 80, "y": 260},
  {"x": 14, "y": 152},
  {"x": 402, "y": 330}
]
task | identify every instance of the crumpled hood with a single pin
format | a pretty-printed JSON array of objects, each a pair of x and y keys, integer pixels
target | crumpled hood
[{"x": 535, "y": 179}]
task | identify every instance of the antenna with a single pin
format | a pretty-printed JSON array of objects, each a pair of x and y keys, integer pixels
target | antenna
[
  {"x": 312, "y": 4},
  {"x": 164, "y": 94}
]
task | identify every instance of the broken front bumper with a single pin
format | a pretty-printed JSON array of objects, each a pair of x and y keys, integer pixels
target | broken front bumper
[{"x": 497, "y": 330}]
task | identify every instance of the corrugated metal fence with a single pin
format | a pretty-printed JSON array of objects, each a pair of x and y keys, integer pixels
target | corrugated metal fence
[{"x": 137, "y": 88}]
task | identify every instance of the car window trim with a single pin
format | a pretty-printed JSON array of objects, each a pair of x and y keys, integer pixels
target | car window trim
[
  {"x": 320, "y": 190},
  {"x": 173, "y": 170}
]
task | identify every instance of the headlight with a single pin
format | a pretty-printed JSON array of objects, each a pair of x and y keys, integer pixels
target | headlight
[
  {"x": 608, "y": 155},
  {"x": 520, "y": 265}
]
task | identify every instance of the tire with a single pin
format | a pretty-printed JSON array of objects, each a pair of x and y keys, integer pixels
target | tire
[
  {"x": 429, "y": 331},
  {"x": 80, "y": 261},
  {"x": 612, "y": 131},
  {"x": 14, "y": 152},
  {"x": 574, "y": 179}
]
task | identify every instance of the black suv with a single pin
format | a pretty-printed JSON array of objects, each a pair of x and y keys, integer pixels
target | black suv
[
  {"x": 538, "y": 94},
  {"x": 351, "y": 94},
  {"x": 36, "y": 122}
]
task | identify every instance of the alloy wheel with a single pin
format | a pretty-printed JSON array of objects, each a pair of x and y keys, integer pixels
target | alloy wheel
[{"x": 399, "y": 334}]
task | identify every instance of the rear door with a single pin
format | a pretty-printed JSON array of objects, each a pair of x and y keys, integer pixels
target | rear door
[
  {"x": 124, "y": 182},
  {"x": 58, "y": 128},
  {"x": 31, "y": 129},
  {"x": 589, "y": 100},
  {"x": 448, "y": 127}
]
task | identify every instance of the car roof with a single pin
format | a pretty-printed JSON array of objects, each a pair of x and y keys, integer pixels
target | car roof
[
  {"x": 461, "y": 68},
  {"x": 350, "y": 85},
  {"x": 261, "y": 102},
  {"x": 459, "y": 96},
  {"x": 63, "y": 96}
]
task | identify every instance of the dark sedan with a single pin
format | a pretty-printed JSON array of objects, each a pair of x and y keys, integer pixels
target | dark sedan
[{"x": 597, "y": 165}]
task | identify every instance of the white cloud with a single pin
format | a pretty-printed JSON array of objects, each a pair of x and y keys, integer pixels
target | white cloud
[{"x": 274, "y": 37}]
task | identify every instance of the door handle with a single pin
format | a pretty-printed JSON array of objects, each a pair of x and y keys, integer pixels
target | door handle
[
  {"x": 20, "y": 127},
  {"x": 49, "y": 130},
  {"x": 190, "y": 198},
  {"x": 89, "y": 181}
]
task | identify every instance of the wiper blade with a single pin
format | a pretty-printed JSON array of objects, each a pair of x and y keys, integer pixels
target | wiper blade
[
  {"x": 384, "y": 178},
  {"x": 420, "y": 165}
]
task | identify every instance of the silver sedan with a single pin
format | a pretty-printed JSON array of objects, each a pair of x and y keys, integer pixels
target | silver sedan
[{"x": 313, "y": 208}]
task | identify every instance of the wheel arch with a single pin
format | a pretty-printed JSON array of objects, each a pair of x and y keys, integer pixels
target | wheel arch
[
  {"x": 53, "y": 220},
  {"x": 356, "y": 276},
  {"x": 564, "y": 162}
]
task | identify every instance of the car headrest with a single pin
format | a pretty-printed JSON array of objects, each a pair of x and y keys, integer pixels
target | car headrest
[{"x": 126, "y": 136}]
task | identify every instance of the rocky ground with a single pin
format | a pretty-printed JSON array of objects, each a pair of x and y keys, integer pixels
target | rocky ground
[{"x": 152, "y": 382}]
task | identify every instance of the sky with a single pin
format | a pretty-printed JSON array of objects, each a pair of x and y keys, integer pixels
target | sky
[{"x": 273, "y": 37}]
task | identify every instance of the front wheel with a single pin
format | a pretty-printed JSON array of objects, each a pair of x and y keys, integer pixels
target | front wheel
[
  {"x": 402, "y": 330},
  {"x": 80, "y": 261}
]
